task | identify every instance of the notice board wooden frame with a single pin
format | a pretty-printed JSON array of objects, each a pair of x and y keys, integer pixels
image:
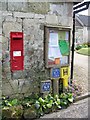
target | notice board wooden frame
[{"x": 46, "y": 43}]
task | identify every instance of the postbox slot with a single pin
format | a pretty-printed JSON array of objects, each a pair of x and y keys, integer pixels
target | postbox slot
[{"x": 18, "y": 38}]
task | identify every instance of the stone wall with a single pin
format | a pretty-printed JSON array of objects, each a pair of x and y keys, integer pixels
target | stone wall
[{"x": 29, "y": 18}]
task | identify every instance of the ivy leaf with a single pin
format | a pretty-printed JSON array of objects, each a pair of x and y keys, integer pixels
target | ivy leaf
[
  {"x": 9, "y": 104},
  {"x": 44, "y": 106},
  {"x": 59, "y": 107},
  {"x": 58, "y": 101},
  {"x": 37, "y": 105},
  {"x": 65, "y": 103},
  {"x": 49, "y": 105},
  {"x": 14, "y": 102},
  {"x": 28, "y": 105},
  {"x": 70, "y": 99},
  {"x": 56, "y": 96},
  {"x": 41, "y": 100}
]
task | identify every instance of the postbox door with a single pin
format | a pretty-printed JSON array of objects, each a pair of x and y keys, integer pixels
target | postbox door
[{"x": 16, "y": 53}]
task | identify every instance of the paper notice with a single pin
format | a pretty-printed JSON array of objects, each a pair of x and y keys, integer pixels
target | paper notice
[
  {"x": 53, "y": 40},
  {"x": 64, "y": 60},
  {"x": 67, "y": 36},
  {"x": 54, "y": 52}
]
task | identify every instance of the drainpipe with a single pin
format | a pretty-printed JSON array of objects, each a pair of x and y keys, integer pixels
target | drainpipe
[
  {"x": 72, "y": 59},
  {"x": 76, "y": 10}
]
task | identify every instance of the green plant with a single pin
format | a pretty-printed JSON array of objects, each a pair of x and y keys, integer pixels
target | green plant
[
  {"x": 78, "y": 47},
  {"x": 8, "y": 103},
  {"x": 36, "y": 104},
  {"x": 66, "y": 99},
  {"x": 84, "y": 51}
]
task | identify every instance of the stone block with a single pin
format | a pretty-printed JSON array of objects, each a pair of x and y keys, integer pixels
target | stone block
[
  {"x": 17, "y": 96},
  {"x": 65, "y": 21},
  {"x": 6, "y": 58},
  {"x": 19, "y": 20},
  {"x": 24, "y": 86},
  {"x": 30, "y": 25},
  {"x": 57, "y": 9},
  {"x": 30, "y": 113},
  {"x": 14, "y": 84},
  {"x": 38, "y": 7},
  {"x": 10, "y": 19},
  {"x": 18, "y": 75},
  {"x": 8, "y": 76},
  {"x": 57, "y": 1},
  {"x": 0, "y": 87},
  {"x": 5, "y": 46},
  {"x": 0, "y": 96},
  {"x": 4, "y": 39},
  {"x": 0, "y": 20},
  {"x": 0, "y": 49},
  {"x": 16, "y": 6},
  {"x": 40, "y": 16},
  {"x": 11, "y": 26},
  {"x": 70, "y": 10},
  {"x": 0, "y": 39},
  {"x": 0, "y": 32},
  {"x": 3, "y": 5},
  {"x": 23, "y": 15},
  {"x": 7, "y": 89},
  {"x": 42, "y": 21},
  {"x": 0, "y": 6},
  {"x": 6, "y": 13},
  {"x": 51, "y": 19}
]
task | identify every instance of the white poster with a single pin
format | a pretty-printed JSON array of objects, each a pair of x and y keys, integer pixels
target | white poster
[
  {"x": 64, "y": 60},
  {"x": 16, "y": 53},
  {"x": 54, "y": 52},
  {"x": 53, "y": 40},
  {"x": 51, "y": 53},
  {"x": 67, "y": 36}
]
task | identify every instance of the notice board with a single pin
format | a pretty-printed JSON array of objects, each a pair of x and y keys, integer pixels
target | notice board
[{"x": 57, "y": 46}]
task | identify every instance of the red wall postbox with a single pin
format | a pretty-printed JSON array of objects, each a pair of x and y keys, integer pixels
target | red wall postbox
[{"x": 16, "y": 51}]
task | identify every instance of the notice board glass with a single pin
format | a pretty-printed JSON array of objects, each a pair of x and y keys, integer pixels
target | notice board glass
[{"x": 57, "y": 46}]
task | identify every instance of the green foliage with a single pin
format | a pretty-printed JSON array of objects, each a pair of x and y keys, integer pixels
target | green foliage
[
  {"x": 41, "y": 105},
  {"x": 9, "y": 103},
  {"x": 50, "y": 103},
  {"x": 66, "y": 99},
  {"x": 84, "y": 45},
  {"x": 84, "y": 51},
  {"x": 78, "y": 47}
]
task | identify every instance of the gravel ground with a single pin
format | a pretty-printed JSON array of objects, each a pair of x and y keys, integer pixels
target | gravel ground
[
  {"x": 81, "y": 73},
  {"x": 81, "y": 78}
]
